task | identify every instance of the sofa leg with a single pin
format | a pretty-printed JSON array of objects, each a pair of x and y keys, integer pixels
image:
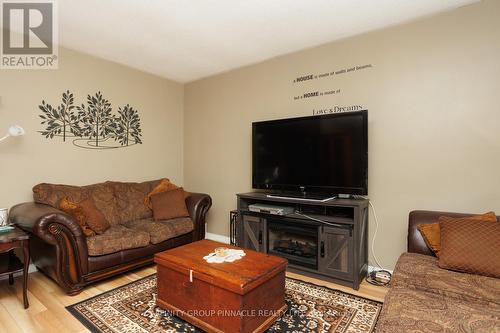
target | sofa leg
[
  {"x": 69, "y": 289},
  {"x": 74, "y": 292}
]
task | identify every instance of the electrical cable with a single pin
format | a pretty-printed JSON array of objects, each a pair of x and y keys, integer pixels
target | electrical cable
[
  {"x": 372, "y": 276},
  {"x": 381, "y": 277},
  {"x": 375, "y": 218}
]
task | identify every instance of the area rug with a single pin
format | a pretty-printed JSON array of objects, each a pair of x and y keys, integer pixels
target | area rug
[{"x": 311, "y": 308}]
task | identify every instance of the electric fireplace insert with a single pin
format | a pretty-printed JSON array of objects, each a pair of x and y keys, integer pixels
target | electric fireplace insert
[{"x": 295, "y": 241}]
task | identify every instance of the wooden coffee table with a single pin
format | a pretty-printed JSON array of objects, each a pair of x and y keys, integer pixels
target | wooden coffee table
[{"x": 247, "y": 295}]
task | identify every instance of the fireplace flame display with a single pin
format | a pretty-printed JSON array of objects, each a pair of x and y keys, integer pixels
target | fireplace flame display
[{"x": 296, "y": 248}]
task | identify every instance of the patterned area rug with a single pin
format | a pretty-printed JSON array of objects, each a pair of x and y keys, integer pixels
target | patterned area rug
[{"x": 311, "y": 308}]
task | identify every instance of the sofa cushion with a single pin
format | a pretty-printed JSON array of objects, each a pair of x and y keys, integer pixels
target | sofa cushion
[
  {"x": 115, "y": 239},
  {"x": 410, "y": 310},
  {"x": 471, "y": 247},
  {"x": 421, "y": 272},
  {"x": 160, "y": 231},
  {"x": 130, "y": 199},
  {"x": 102, "y": 195},
  {"x": 52, "y": 194},
  {"x": 104, "y": 198}
]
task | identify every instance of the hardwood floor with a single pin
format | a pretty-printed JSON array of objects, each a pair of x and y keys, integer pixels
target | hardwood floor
[{"x": 47, "y": 311}]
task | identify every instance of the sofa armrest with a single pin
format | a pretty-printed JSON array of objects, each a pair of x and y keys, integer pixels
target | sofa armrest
[
  {"x": 52, "y": 228},
  {"x": 198, "y": 205}
]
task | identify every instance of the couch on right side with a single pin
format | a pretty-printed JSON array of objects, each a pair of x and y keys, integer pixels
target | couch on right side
[{"x": 426, "y": 298}]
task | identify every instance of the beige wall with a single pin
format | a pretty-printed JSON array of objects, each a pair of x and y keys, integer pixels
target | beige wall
[
  {"x": 434, "y": 118},
  {"x": 28, "y": 160}
]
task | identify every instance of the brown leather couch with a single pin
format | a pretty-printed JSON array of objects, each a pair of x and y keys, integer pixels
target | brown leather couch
[
  {"x": 426, "y": 298},
  {"x": 61, "y": 250}
]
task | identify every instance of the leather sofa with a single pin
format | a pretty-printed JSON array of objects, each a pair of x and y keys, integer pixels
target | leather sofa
[
  {"x": 60, "y": 249},
  {"x": 426, "y": 298}
]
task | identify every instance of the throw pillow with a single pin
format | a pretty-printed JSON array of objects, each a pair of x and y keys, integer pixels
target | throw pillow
[
  {"x": 470, "y": 246},
  {"x": 164, "y": 186},
  {"x": 95, "y": 219},
  {"x": 76, "y": 212},
  {"x": 169, "y": 205},
  {"x": 431, "y": 231}
]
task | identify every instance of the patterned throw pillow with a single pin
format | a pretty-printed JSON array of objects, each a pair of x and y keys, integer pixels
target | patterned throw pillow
[
  {"x": 76, "y": 212},
  {"x": 169, "y": 205},
  {"x": 470, "y": 246},
  {"x": 431, "y": 231}
]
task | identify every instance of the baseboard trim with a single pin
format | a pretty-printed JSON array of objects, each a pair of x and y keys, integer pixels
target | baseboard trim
[{"x": 217, "y": 238}]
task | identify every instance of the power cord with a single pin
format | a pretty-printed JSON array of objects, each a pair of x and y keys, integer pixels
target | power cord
[{"x": 379, "y": 277}]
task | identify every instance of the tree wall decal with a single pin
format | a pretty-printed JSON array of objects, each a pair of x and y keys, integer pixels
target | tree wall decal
[
  {"x": 93, "y": 125},
  {"x": 96, "y": 119},
  {"x": 60, "y": 120},
  {"x": 128, "y": 125}
]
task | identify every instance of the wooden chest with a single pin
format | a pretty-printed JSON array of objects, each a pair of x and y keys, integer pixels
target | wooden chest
[{"x": 247, "y": 295}]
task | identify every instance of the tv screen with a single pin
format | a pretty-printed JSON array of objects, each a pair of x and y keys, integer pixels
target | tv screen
[{"x": 319, "y": 154}]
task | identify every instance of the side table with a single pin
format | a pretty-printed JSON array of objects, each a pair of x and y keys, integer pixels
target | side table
[{"x": 10, "y": 263}]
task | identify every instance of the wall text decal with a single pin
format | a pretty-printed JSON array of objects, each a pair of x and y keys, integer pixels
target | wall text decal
[
  {"x": 91, "y": 126},
  {"x": 311, "y": 77},
  {"x": 315, "y": 76},
  {"x": 337, "y": 109}
]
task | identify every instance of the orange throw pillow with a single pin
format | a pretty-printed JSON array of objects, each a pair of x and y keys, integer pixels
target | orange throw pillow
[
  {"x": 470, "y": 246},
  {"x": 431, "y": 231},
  {"x": 169, "y": 205},
  {"x": 164, "y": 186},
  {"x": 76, "y": 212}
]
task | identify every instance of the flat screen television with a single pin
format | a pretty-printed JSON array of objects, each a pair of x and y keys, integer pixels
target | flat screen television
[{"x": 324, "y": 155}]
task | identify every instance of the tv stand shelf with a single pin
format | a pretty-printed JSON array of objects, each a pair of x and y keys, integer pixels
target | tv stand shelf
[
  {"x": 326, "y": 218},
  {"x": 332, "y": 245}
]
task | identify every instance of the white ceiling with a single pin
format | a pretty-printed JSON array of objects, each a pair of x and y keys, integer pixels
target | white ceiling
[{"x": 185, "y": 40}]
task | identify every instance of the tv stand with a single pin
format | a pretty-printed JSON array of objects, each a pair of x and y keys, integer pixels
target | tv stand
[{"x": 326, "y": 240}]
